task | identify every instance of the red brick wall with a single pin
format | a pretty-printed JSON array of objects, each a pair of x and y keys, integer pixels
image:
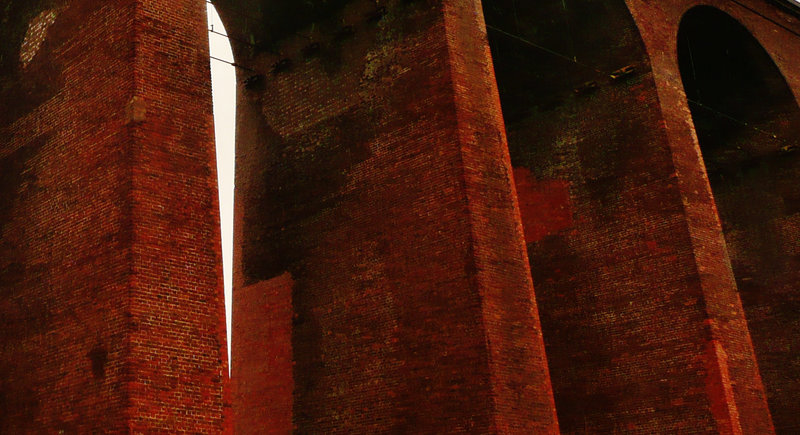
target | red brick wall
[
  {"x": 621, "y": 319},
  {"x": 66, "y": 229},
  {"x": 660, "y": 29},
  {"x": 711, "y": 255},
  {"x": 363, "y": 171},
  {"x": 635, "y": 335},
  {"x": 372, "y": 170},
  {"x": 111, "y": 303},
  {"x": 178, "y": 347},
  {"x": 264, "y": 379},
  {"x": 754, "y": 179}
]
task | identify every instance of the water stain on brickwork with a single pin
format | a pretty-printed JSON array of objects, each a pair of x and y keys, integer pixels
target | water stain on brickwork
[
  {"x": 16, "y": 178},
  {"x": 382, "y": 276},
  {"x": 98, "y": 356},
  {"x": 302, "y": 179},
  {"x": 22, "y": 81}
]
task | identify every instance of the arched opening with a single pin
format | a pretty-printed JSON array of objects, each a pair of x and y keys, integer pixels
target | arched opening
[
  {"x": 223, "y": 81},
  {"x": 602, "y": 215},
  {"x": 748, "y": 124}
]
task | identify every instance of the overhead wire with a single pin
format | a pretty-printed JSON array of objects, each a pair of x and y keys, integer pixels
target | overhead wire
[
  {"x": 233, "y": 64},
  {"x": 606, "y": 73},
  {"x": 569, "y": 58},
  {"x": 543, "y": 48},
  {"x": 761, "y": 14}
]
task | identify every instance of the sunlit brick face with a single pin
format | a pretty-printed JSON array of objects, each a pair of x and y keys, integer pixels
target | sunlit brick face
[
  {"x": 748, "y": 125},
  {"x": 37, "y": 32}
]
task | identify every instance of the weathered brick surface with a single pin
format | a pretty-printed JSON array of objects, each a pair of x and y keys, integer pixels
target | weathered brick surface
[
  {"x": 752, "y": 168},
  {"x": 178, "y": 348},
  {"x": 65, "y": 224},
  {"x": 622, "y": 315},
  {"x": 382, "y": 281},
  {"x": 641, "y": 318},
  {"x": 773, "y": 29},
  {"x": 264, "y": 379},
  {"x": 111, "y": 303},
  {"x": 363, "y": 171}
]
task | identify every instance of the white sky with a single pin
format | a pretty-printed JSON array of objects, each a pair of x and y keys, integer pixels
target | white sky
[{"x": 223, "y": 79}]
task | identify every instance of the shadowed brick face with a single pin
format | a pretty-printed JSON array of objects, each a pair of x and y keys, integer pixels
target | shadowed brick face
[
  {"x": 777, "y": 32},
  {"x": 407, "y": 171},
  {"x": 754, "y": 172},
  {"x": 110, "y": 301},
  {"x": 641, "y": 318}
]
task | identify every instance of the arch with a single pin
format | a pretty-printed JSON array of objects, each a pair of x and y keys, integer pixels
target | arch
[
  {"x": 609, "y": 250},
  {"x": 748, "y": 123}
]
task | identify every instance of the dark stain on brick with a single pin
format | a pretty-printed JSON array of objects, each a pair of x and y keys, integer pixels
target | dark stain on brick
[
  {"x": 601, "y": 144},
  {"x": 98, "y": 357},
  {"x": 303, "y": 178},
  {"x": 19, "y": 403},
  {"x": 13, "y": 173}
]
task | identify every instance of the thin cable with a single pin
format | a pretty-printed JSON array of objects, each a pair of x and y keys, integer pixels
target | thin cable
[
  {"x": 569, "y": 30},
  {"x": 694, "y": 71},
  {"x": 699, "y": 104},
  {"x": 545, "y": 49},
  {"x": 571, "y": 59},
  {"x": 233, "y": 64},
  {"x": 738, "y": 121},
  {"x": 766, "y": 18},
  {"x": 516, "y": 17},
  {"x": 240, "y": 41}
]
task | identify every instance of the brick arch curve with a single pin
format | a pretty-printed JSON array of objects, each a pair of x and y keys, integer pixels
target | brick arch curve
[
  {"x": 603, "y": 219},
  {"x": 776, "y": 30},
  {"x": 366, "y": 296},
  {"x": 762, "y": 23},
  {"x": 754, "y": 187}
]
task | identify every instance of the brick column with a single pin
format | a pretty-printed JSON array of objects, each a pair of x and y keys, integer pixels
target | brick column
[
  {"x": 110, "y": 281},
  {"x": 178, "y": 349},
  {"x": 372, "y": 168}
]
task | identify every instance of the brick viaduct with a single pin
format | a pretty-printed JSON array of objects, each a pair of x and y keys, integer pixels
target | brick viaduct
[{"x": 451, "y": 217}]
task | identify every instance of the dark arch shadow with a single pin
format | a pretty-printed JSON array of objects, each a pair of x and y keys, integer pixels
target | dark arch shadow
[{"x": 748, "y": 124}]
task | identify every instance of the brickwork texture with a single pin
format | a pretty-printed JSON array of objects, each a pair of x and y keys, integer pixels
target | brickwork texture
[{"x": 451, "y": 216}]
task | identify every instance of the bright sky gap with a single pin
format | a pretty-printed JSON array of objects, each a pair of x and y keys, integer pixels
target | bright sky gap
[{"x": 223, "y": 79}]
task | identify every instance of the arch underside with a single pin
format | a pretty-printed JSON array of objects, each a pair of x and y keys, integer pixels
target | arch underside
[
  {"x": 624, "y": 314},
  {"x": 748, "y": 123},
  {"x": 602, "y": 215}
]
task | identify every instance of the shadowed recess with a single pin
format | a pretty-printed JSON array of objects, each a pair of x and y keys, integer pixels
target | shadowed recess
[{"x": 265, "y": 22}]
